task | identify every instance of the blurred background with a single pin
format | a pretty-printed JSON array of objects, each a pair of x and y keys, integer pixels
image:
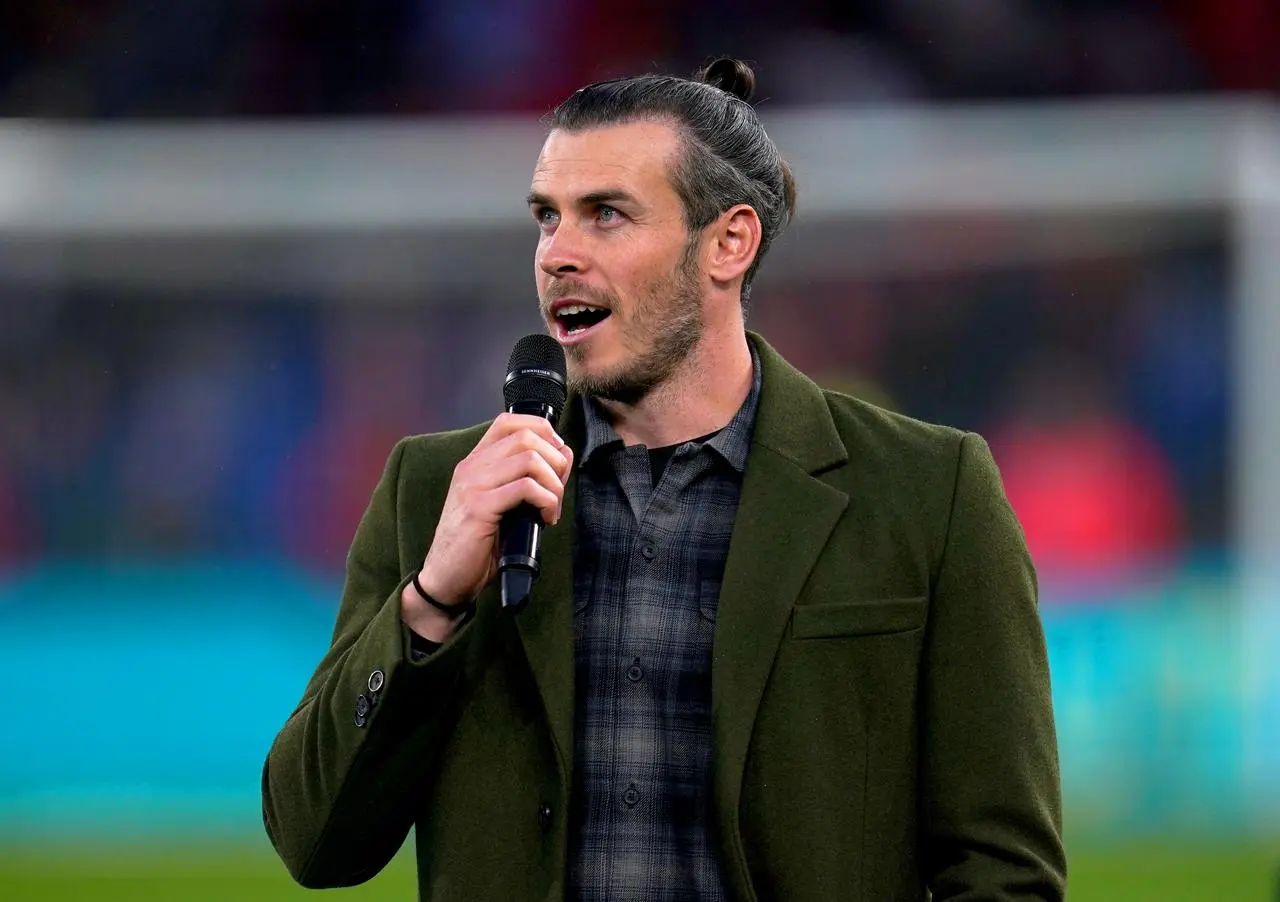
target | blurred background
[{"x": 245, "y": 245}]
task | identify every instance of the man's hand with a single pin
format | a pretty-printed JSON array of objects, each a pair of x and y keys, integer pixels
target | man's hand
[{"x": 520, "y": 458}]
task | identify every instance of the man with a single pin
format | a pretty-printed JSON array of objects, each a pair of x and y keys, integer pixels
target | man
[{"x": 785, "y": 645}]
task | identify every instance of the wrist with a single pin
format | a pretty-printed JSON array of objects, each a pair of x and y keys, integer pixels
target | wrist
[
  {"x": 423, "y": 619},
  {"x": 427, "y": 616},
  {"x": 426, "y": 586}
]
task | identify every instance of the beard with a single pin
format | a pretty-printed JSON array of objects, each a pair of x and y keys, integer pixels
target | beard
[{"x": 662, "y": 329}]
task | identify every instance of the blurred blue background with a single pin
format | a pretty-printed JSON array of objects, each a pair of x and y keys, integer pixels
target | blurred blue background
[{"x": 245, "y": 246}]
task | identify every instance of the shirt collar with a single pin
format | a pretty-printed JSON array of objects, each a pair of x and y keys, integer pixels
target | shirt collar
[{"x": 732, "y": 442}]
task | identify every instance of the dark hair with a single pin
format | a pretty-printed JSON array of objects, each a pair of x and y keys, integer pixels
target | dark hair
[{"x": 726, "y": 157}]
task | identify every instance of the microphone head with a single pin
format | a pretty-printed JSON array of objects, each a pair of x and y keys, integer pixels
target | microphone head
[{"x": 536, "y": 373}]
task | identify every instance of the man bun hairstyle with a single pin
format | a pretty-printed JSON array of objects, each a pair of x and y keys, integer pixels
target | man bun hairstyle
[
  {"x": 731, "y": 76},
  {"x": 726, "y": 158}
]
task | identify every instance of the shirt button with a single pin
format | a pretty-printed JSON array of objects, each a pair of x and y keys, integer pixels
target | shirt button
[
  {"x": 649, "y": 552},
  {"x": 631, "y": 796},
  {"x": 634, "y": 673},
  {"x": 544, "y": 817}
]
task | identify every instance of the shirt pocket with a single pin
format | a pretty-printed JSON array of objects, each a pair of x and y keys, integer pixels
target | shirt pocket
[{"x": 858, "y": 618}]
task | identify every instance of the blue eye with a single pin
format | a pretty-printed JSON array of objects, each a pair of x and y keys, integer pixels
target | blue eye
[
  {"x": 545, "y": 216},
  {"x": 607, "y": 213}
]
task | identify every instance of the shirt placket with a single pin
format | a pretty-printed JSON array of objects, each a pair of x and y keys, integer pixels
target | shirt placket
[{"x": 648, "y": 581}]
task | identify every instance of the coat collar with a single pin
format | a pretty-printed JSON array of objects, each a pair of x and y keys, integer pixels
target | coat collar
[{"x": 794, "y": 421}]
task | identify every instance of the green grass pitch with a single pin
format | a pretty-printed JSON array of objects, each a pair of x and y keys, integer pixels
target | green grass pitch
[{"x": 250, "y": 873}]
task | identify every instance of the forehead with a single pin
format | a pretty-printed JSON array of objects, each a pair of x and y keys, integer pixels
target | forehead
[{"x": 635, "y": 155}]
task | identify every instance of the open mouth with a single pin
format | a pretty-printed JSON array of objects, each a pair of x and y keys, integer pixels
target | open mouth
[{"x": 575, "y": 319}]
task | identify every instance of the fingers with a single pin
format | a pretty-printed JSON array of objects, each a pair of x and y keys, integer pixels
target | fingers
[
  {"x": 509, "y": 495},
  {"x": 519, "y": 459},
  {"x": 523, "y": 442},
  {"x": 507, "y": 423},
  {"x": 530, "y": 464}
]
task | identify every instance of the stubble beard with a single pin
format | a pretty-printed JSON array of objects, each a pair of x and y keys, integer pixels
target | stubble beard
[{"x": 667, "y": 323}]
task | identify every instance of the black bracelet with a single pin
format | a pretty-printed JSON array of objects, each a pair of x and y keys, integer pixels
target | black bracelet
[{"x": 452, "y": 611}]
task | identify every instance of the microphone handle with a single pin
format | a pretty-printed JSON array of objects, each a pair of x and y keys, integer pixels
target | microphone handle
[
  {"x": 518, "y": 539},
  {"x": 520, "y": 533}
]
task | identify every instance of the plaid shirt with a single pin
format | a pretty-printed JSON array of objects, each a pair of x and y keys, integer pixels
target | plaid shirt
[{"x": 648, "y": 562}]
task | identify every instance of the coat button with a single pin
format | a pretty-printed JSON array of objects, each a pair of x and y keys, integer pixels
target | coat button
[
  {"x": 631, "y": 796},
  {"x": 544, "y": 817},
  {"x": 362, "y": 705},
  {"x": 376, "y": 679},
  {"x": 360, "y": 720}
]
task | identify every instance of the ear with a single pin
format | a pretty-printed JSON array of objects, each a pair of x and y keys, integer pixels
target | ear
[{"x": 732, "y": 243}]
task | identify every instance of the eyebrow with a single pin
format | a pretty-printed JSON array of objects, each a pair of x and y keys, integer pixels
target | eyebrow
[{"x": 590, "y": 199}]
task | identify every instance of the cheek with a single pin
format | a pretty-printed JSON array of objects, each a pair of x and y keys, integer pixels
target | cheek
[{"x": 643, "y": 273}]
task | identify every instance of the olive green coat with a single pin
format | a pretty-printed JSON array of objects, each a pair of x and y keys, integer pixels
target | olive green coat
[{"x": 881, "y": 714}]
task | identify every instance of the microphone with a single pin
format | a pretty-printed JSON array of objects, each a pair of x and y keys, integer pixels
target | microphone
[{"x": 535, "y": 385}]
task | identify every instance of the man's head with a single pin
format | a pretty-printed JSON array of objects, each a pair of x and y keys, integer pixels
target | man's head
[{"x": 656, "y": 198}]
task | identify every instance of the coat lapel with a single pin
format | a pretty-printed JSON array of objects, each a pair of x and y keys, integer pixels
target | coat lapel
[
  {"x": 785, "y": 516},
  {"x": 546, "y": 624}
]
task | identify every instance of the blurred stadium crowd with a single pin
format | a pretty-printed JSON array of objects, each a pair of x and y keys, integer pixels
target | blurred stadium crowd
[
  {"x": 257, "y": 425},
  {"x": 113, "y": 58}
]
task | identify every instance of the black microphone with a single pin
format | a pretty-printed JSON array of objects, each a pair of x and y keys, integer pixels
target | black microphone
[{"x": 535, "y": 386}]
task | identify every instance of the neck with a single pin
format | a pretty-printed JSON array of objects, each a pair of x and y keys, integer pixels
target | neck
[{"x": 701, "y": 396}]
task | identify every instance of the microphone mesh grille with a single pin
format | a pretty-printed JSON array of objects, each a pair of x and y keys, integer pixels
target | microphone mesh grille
[
  {"x": 536, "y": 352},
  {"x": 539, "y": 352}
]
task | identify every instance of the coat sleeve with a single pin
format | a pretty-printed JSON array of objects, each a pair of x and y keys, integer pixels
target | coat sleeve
[
  {"x": 340, "y": 788},
  {"x": 991, "y": 797}
]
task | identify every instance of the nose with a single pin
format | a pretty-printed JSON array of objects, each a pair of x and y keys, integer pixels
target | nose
[{"x": 562, "y": 251}]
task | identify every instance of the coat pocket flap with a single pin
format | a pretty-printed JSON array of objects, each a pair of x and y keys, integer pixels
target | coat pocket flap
[{"x": 857, "y": 618}]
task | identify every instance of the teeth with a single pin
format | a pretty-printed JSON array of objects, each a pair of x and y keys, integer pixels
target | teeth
[{"x": 574, "y": 308}]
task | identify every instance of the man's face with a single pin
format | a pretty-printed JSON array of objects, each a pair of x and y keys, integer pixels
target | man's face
[{"x": 618, "y": 279}]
